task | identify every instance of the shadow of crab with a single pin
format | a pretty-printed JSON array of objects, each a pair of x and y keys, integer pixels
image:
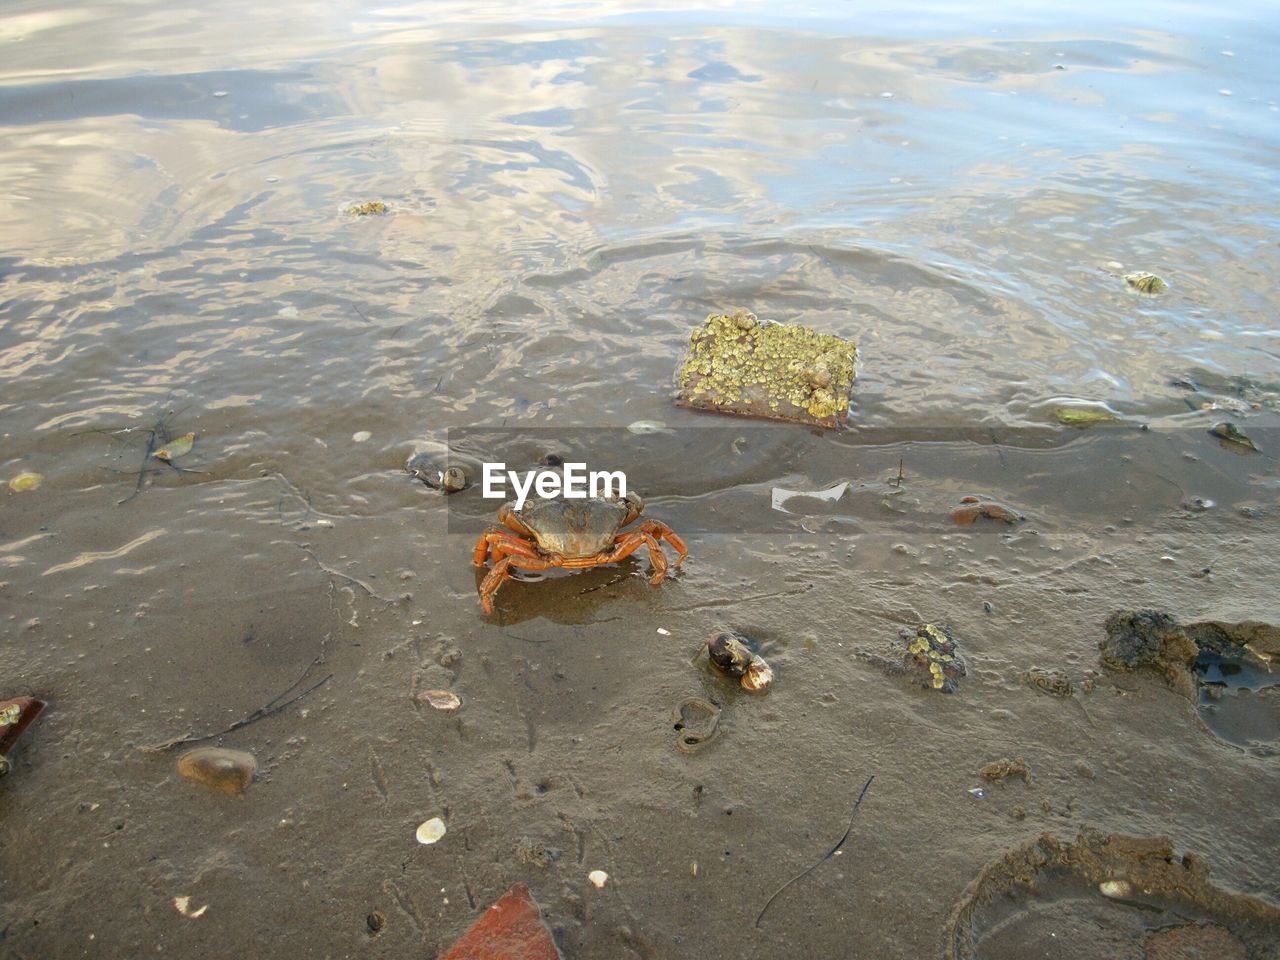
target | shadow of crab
[{"x": 568, "y": 596}]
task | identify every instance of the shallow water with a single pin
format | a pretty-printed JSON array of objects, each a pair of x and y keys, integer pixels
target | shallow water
[{"x": 568, "y": 194}]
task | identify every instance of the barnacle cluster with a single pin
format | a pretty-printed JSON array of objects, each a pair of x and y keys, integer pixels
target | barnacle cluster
[
  {"x": 1145, "y": 282},
  {"x": 738, "y": 364},
  {"x": 932, "y": 655}
]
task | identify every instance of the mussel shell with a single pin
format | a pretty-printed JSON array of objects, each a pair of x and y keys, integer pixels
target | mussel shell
[{"x": 730, "y": 652}]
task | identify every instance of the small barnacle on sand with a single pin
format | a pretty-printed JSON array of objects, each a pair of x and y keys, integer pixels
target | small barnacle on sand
[
  {"x": 1145, "y": 282},
  {"x": 1004, "y": 768},
  {"x": 1049, "y": 681}
]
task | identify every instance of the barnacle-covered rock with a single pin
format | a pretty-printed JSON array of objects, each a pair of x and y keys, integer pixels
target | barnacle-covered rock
[
  {"x": 740, "y": 365},
  {"x": 931, "y": 656},
  {"x": 15, "y": 716},
  {"x": 1145, "y": 282}
]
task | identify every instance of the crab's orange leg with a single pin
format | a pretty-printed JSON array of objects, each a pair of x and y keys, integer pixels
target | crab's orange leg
[
  {"x": 660, "y": 531},
  {"x": 494, "y": 578},
  {"x": 625, "y": 544},
  {"x": 501, "y": 542}
]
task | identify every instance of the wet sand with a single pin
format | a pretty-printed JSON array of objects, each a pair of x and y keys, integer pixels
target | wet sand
[{"x": 565, "y": 734}]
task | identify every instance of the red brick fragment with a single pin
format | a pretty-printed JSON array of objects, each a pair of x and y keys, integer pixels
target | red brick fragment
[{"x": 511, "y": 929}]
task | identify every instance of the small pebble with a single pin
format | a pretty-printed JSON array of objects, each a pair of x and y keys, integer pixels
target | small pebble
[{"x": 1114, "y": 888}]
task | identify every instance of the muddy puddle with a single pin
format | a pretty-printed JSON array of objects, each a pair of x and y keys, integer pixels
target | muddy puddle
[{"x": 218, "y": 352}]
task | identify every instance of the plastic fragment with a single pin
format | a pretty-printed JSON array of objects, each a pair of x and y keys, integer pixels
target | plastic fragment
[{"x": 780, "y": 496}]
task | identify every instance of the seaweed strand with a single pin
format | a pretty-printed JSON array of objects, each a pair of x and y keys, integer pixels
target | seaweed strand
[{"x": 830, "y": 853}]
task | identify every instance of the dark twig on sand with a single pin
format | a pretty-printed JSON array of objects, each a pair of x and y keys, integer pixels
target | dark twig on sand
[
  {"x": 152, "y": 436},
  {"x": 269, "y": 708},
  {"x": 157, "y": 437},
  {"x": 831, "y": 853},
  {"x": 342, "y": 576}
]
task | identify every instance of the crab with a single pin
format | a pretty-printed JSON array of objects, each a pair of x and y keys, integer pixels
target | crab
[{"x": 575, "y": 534}]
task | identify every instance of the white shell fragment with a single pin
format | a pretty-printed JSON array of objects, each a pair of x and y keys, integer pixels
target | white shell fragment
[
  {"x": 360, "y": 436},
  {"x": 662, "y": 631},
  {"x": 183, "y": 906},
  {"x": 598, "y": 878},
  {"x": 1114, "y": 888},
  {"x": 431, "y": 831},
  {"x": 642, "y": 427},
  {"x": 440, "y": 699}
]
